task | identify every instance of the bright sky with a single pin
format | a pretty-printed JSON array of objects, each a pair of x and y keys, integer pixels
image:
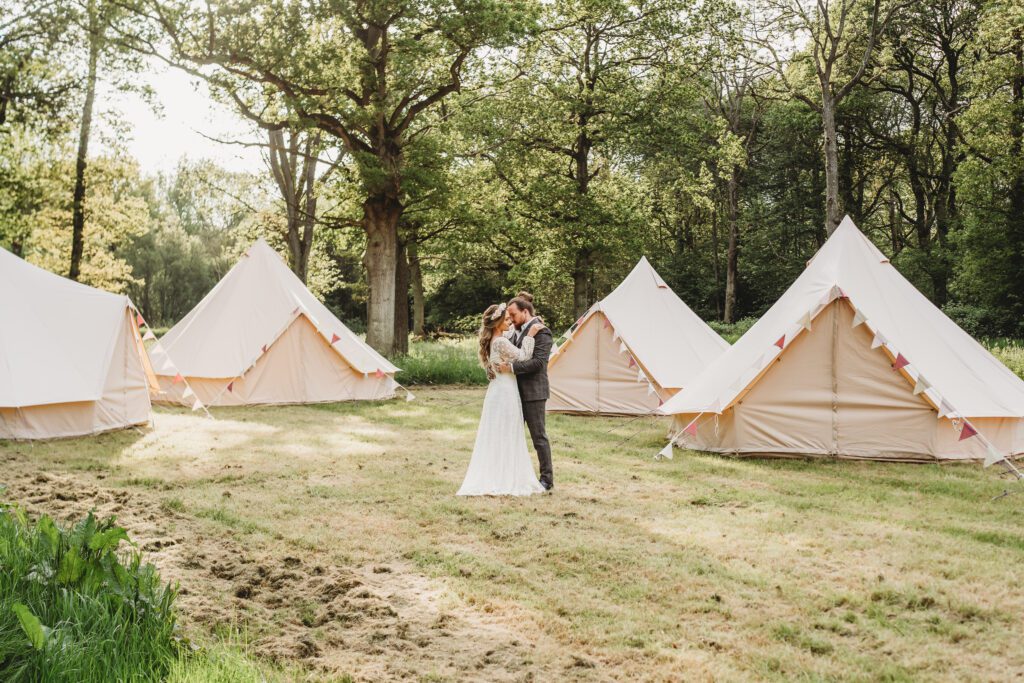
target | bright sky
[{"x": 158, "y": 139}]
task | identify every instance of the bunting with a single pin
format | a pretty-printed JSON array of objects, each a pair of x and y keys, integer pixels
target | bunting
[
  {"x": 900, "y": 362},
  {"x": 231, "y": 386},
  {"x": 197, "y": 405},
  {"x": 264, "y": 348},
  {"x": 640, "y": 376},
  {"x": 805, "y": 321},
  {"x": 188, "y": 392},
  {"x": 665, "y": 452},
  {"x": 858, "y": 317},
  {"x": 921, "y": 385},
  {"x": 878, "y": 340},
  {"x": 967, "y": 431},
  {"x": 149, "y": 336},
  {"x": 178, "y": 379},
  {"x": 632, "y": 361},
  {"x": 992, "y": 456},
  {"x": 691, "y": 428},
  {"x": 408, "y": 396},
  {"x": 781, "y": 342},
  {"x": 379, "y": 373},
  {"x": 622, "y": 347},
  {"x": 650, "y": 388},
  {"x": 139, "y": 322},
  {"x": 335, "y": 339},
  {"x": 607, "y": 324},
  {"x": 944, "y": 408}
]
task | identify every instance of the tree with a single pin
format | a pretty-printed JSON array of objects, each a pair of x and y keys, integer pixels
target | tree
[
  {"x": 363, "y": 72},
  {"x": 841, "y": 38}
]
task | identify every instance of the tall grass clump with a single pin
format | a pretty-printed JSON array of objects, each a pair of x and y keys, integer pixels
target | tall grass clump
[
  {"x": 1009, "y": 351},
  {"x": 730, "y": 332},
  {"x": 77, "y": 606},
  {"x": 446, "y": 361}
]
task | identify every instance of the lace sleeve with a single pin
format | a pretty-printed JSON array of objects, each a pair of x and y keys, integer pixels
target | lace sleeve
[{"x": 507, "y": 351}]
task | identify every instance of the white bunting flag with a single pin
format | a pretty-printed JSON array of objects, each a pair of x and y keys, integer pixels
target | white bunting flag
[
  {"x": 650, "y": 388},
  {"x": 615, "y": 335},
  {"x": 879, "y": 340},
  {"x": 805, "y": 322},
  {"x": 858, "y": 317},
  {"x": 945, "y": 410},
  {"x": 992, "y": 456},
  {"x": 188, "y": 392},
  {"x": 640, "y": 376},
  {"x": 149, "y": 335},
  {"x": 665, "y": 452},
  {"x": 197, "y": 405},
  {"x": 921, "y": 385},
  {"x": 408, "y": 396},
  {"x": 622, "y": 347}
]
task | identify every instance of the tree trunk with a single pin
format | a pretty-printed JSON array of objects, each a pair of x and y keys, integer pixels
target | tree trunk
[
  {"x": 581, "y": 284},
  {"x": 412, "y": 253},
  {"x": 401, "y": 300},
  {"x": 78, "y": 199},
  {"x": 381, "y": 214},
  {"x": 833, "y": 204},
  {"x": 731, "y": 259},
  {"x": 293, "y": 165}
]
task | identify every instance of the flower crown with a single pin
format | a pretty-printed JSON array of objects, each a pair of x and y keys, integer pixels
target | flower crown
[{"x": 498, "y": 313}]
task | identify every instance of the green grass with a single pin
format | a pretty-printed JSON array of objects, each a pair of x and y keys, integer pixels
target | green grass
[
  {"x": 441, "y": 362},
  {"x": 75, "y": 608}
]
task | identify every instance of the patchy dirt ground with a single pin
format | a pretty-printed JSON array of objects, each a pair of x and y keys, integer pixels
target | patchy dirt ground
[{"x": 373, "y": 622}]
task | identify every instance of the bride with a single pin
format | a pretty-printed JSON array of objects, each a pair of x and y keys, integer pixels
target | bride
[{"x": 501, "y": 465}]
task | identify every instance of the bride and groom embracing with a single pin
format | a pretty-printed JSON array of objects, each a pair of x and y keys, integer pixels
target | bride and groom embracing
[{"x": 514, "y": 349}]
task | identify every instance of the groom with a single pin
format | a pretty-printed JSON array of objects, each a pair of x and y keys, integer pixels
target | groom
[{"x": 532, "y": 377}]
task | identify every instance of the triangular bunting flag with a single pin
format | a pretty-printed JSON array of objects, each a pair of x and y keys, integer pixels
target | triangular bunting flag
[
  {"x": 632, "y": 361},
  {"x": 805, "y": 321},
  {"x": 139, "y": 322},
  {"x": 921, "y": 385},
  {"x": 231, "y": 386},
  {"x": 968, "y": 431},
  {"x": 606, "y": 324},
  {"x": 900, "y": 362},
  {"x": 858, "y": 317},
  {"x": 650, "y": 388},
  {"x": 666, "y": 452},
  {"x": 149, "y": 335},
  {"x": 944, "y": 408},
  {"x": 379, "y": 373},
  {"x": 264, "y": 348},
  {"x": 178, "y": 379},
  {"x": 640, "y": 376},
  {"x": 188, "y": 392},
  {"x": 622, "y": 347},
  {"x": 691, "y": 428},
  {"x": 992, "y": 456},
  {"x": 408, "y": 396},
  {"x": 335, "y": 338},
  {"x": 615, "y": 335},
  {"x": 197, "y": 405},
  {"x": 837, "y": 292},
  {"x": 661, "y": 401},
  {"x": 878, "y": 340},
  {"x": 781, "y": 342}
]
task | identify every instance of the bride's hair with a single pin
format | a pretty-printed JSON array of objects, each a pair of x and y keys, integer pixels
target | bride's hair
[{"x": 491, "y": 321}]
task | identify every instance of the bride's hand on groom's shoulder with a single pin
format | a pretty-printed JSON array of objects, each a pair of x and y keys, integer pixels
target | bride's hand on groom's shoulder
[{"x": 537, "y": 327}]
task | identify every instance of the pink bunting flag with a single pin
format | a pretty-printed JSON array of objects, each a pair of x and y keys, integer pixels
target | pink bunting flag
[
  {"x": 900, "y": 362},
  {"x": 379, "y": 373},
  {"x": 149, "y": 336},
  {"x": 782, "y": 341},
  {"x": 661, "y": 402},
  {"x": 178, "y": 379},
  {"x": 231, "y": 386},
  {"x": 968, "y": 431},
  {"x": 691, "y": 428},
  {"x": 607, "y": 324},
  {"x": 264, "y": 348},
  {"x": 632, "y": 362},
  {"x": 335, "y": 338},
  {"x": 139, "y": 322}
]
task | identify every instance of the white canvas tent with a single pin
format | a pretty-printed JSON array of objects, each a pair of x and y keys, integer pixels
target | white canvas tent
[
  {"x": 853, "y": 362},
  {"x": 261, "y": 337},
  {"x": 632, "y": 350},
  {"x": 71, "y": 359}
]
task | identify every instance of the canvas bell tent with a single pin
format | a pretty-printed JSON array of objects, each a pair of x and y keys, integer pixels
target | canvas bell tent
[
  {"x": 854, "y": 362},
  {"x": 261, "y": 337},
  {"x": 73, "y": 362},
  {"x": 631, "y": 351}
]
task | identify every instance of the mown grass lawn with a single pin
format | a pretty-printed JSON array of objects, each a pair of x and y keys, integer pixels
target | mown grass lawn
[{"x": 696, "y": 568}]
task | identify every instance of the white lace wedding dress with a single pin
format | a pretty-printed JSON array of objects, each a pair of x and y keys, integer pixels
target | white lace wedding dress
[{"x": 501, "y": 465}]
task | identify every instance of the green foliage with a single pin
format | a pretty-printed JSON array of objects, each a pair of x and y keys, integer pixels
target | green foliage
[
  {"x": 76, "y": 606},
  {"x": 450, "y": 361}
]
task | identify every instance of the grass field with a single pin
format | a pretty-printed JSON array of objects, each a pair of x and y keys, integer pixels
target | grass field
[{"x": 327, "y": 540}]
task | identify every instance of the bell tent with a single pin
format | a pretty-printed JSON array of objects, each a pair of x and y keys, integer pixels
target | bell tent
[
  {"x": 853, "y": 362},
  {"x": 261, "y": 337},
  {"x": 631, "y": 351},
  {"x": 73, "y": 362}
]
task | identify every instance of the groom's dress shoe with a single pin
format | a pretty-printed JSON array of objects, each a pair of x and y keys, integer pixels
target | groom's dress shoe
[{"x": 547, "y": 485}]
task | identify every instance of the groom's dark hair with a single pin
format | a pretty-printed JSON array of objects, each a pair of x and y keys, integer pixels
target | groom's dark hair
[{"x": 523, "y": 301}]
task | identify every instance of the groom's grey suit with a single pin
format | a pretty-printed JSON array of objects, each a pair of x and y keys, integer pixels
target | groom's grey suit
[{"x": 532, "y": 377}]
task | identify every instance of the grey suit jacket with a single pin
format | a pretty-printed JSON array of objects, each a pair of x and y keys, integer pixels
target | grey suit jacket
[{"x": 532, "y": 374}]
